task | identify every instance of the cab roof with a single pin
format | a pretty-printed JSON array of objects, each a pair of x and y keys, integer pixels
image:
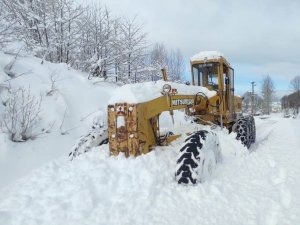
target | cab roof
[{"x": 208, "y": 56}]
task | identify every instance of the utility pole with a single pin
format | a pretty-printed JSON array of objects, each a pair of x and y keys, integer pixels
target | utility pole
[
  {"x": 268, "y": 102},
  {"x": 252, "y": 97}
]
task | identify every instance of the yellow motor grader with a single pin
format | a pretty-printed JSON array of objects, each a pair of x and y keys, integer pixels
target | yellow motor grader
[{"x": 133, "y": 129}]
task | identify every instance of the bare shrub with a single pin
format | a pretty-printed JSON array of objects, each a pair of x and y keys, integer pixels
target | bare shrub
[
  {"x": 21, "y": 114},
  {"x": 54, "y": 78}
]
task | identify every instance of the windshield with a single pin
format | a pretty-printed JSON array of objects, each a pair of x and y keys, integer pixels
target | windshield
[{"x": 206, "y": 75}]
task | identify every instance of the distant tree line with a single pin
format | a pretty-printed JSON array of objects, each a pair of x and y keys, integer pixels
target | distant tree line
[
  {"x": 87, "y": 38},
  {"x": 292, "y": 100}
]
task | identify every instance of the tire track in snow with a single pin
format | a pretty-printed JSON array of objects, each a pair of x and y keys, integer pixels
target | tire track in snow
[
  {"x": 281, "y": 147},
  {"x": 263, "y": 132}
]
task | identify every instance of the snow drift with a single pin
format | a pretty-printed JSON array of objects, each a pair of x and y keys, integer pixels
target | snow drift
[
  {"x": 66, "y": 114},
  {"x": 143, "y": 92}
]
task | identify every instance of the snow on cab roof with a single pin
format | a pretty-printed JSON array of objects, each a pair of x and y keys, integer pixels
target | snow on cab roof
[
  {"x": 143, "y": 92},
  {"x": 207, "y": 55}
]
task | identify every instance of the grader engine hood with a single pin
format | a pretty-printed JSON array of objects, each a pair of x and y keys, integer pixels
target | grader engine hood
[{"x": 133, "y": 115}]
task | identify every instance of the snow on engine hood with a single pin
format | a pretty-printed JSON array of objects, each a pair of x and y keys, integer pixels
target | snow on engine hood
[
  {"x": 206, "y": 55},
  {"x": 143, "y": 92}
]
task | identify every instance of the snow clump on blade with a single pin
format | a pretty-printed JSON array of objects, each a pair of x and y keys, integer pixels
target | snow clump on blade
[{"x": 147, "y": 91}]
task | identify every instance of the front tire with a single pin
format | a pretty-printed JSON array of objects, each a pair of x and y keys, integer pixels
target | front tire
[
  {"x": 85, "y": 143},
  {"x": 198, "y": 158}
]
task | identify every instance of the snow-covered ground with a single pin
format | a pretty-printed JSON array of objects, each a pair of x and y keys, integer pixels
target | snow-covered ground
[
  {"x": 257, "y": 188},
  {"x": 41, "y": 186}
]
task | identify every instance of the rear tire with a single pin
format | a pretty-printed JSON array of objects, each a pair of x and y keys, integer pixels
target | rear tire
[
  {"x": 246, "y": 131},
  {"x": 253, "y": 130},
  {"x": 243, "y": 131},
  {"x": 198, "y": 158}
]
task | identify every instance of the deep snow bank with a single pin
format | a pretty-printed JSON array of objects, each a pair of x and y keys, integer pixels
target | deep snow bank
[
  {"x": 67, "y": 112},
  {"x": 257, "y": 188},
  {"x": 98, "y": 189}
]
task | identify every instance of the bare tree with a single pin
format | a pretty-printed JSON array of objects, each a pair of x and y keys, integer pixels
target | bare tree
[
  {"x": 133, "y": 48},
  {"x": 175, "y": 64},
  {"x": 21, "y": 114},
  {"x": 7, "y": 26},
  {"x": 246, "y": 101},
  {"x": 268, "y": 91},
  {"x": 158, "y": 59},
  {"x": 172, "y": 59},
  {"x": 159, "y": 55},
  {"x": 98, "y": 41},
  {"x": 295, "y": 83}
]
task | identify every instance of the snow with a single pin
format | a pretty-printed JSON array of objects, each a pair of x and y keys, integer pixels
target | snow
[
  {"x": 39, "y": 185},
  {"x": 256, "y": 188},
  {"x": 71, "y": 110},
  {"x": 143, "y": 92},
  {"x": 207, "y": 55}
]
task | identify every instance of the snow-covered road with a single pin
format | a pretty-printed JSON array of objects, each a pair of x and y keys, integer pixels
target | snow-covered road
[
  {"x": 257, "y": 188},
  {"x": 279, "y": 148}
]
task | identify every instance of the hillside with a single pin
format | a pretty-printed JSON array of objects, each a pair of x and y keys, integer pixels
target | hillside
[{"x": 67, "y": 113}]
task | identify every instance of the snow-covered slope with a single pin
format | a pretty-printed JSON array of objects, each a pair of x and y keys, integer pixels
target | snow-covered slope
[
  {"x": 70, "y": 109},
  {"x": 257, "y": 188}
]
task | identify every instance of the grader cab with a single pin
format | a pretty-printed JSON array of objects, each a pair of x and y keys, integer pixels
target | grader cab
[{"x": 215, "y": 73}]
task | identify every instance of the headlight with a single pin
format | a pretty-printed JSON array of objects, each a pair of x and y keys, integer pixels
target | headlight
[{"x": 166, "y": 88}]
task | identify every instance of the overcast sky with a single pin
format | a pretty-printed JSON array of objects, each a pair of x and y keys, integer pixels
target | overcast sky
[{"x": 257, "y": 37}]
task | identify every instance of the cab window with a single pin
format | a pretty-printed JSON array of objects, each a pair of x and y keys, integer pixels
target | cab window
[{"x": 206, "y": 74}]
